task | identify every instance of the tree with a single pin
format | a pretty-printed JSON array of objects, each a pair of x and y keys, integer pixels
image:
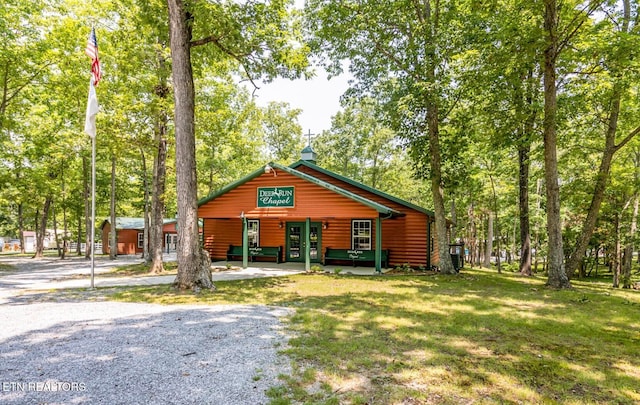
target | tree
[
  {"x": 259, "y": 38},
  {"x": 620, "y": 51},
  {"x": 401, "y": 52},
  {"x": 504, "y": 81},
  {"x": 283, "y": 135},
  {"x": 553, "y": 46},
  {"x": 360, "y": 146}
]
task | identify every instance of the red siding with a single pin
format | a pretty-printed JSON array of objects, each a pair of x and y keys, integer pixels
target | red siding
[
  {"x": 405, "y": 236},
  {"x": 311, "y": 201},
  {"x": 127, "y": 240},
  {"x": 105, "y": 238}
]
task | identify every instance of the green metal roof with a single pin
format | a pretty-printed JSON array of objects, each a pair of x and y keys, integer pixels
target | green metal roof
[
  {"x": 361, "y": 186},
  {"x": 233, "y": 185},
  {"x": 132, "y": 223},
  {"x": 383, "y": 209}
]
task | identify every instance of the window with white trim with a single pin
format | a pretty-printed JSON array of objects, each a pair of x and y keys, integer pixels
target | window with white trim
[
  {"x": 140, "y": 240},
  {"x": 361, "y": 234},
  {"x": 253, "y": 226}
]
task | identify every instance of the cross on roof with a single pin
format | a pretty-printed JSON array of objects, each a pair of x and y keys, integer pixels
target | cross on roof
[{"x": 309, "y": 135}]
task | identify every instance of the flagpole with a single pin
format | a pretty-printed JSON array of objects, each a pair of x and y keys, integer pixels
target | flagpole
[
  {"x": 93, "y": 207},
  {"x": 90, "y": 128}
]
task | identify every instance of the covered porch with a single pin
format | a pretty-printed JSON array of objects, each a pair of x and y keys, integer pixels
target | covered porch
[{"x": 265, "y": 268}]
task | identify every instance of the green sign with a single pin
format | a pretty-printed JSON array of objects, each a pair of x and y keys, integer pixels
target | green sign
[{"x": 276, "y": 197}]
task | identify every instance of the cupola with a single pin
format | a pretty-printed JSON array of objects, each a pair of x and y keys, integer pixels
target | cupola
[{"x": 308, "y": 155}]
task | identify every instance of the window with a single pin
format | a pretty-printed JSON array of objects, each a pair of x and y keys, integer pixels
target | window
[
  {"x": 253, "y": 226},
  {"x": 361, "y": 234},
  {"x": 140, "y": 240}
]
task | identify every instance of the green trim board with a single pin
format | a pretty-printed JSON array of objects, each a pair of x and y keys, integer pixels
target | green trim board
[
  {"x": 383, "y": 209},
  {"x": 231, "y": 186},
  {"x": 134, "y": 223},
  {"x": 361, "y": 186}
]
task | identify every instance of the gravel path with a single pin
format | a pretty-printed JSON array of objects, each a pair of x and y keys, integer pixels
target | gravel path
[
  {"x": 84, "y": 352},
  {"x": 122, "y": 353}
]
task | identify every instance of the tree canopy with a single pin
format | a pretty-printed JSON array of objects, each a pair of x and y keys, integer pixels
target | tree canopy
[{"x": 519, "y": 115}]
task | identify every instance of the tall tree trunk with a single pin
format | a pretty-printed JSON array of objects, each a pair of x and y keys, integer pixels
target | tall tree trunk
[
  {"x": 87, "y": 207},
  {"x": 489, "y": 244},
  {"x": 628, "y": 250},
  {"x": 526, "y": 109},
  {"x": 65, "y": 230},
  {"x": 159, "y": 173},
  {"x": 514, "y": 242},
  {"x": 20, "y": 220},
  {"x": 157, "y": 203},
  {"x": 523, "y": 185},
  {"x": 482, "y": 240},
  {"x": 191, "y": 273},
  {"x": 113, "y": 234},
  {"x": 536, "y": 243},
  {"x": 445, "y": 264},
  {"x": 55, "y": 229},
  {"x": 146, "y": 255},
  {"x": 557, "y": 277},
  {"x": 617, "y": 253},
  {"x": 36, "y": 224},
  {"x": 602, "y": 179},
  {"x": 41, "y": 230},
  {"x": 473, "y": 235},
  {"x": 454, "y": 219},
  {"x": 21, "y": 227},
  {"x": 79, "y": 239},
  {"x": 65, "y": 225},
  {"x": 578, "y": 252},
  {"x": 497, "y": 224},
  {"x": 431, "y": 99}
]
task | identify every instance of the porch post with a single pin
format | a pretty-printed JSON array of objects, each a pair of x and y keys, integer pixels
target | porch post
[
  {"x": 307, "y": 245},
  {"x": 245, "y": 242},
  {"x": 378, "y": 245}
]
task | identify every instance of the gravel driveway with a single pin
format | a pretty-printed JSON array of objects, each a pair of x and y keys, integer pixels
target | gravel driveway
[{"x": 123, "y": 353}]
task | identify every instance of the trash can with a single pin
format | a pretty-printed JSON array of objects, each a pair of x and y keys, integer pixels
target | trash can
[{"x": 455, "y": 259}]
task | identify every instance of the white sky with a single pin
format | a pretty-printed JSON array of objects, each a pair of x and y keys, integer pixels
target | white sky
[{"x": 318, "y": 98}]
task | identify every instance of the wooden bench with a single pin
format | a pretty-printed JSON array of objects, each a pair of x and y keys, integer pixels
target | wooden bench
[
  {"x": 258, "y": 251},
  {"x": 355, "y": 255}
]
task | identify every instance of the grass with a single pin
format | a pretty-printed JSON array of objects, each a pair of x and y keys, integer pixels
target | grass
[
  {"x": 477, "y": 337},
  {"x": 45, "y": 253},
  {"x": 7, "y": 267},
  {"x": 140, "y": 269}
]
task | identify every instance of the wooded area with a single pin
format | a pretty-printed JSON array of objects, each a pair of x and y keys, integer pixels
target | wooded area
[{"x": 517, "y": 119}]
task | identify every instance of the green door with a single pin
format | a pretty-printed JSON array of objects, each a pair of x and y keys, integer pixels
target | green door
[{"x": 295, "y": 249}]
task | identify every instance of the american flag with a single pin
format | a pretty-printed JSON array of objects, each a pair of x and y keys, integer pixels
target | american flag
[{"x": 92, "y": 51}]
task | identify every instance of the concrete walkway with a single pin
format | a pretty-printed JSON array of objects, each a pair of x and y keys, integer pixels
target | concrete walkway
[{"x": 75, "y": 272}]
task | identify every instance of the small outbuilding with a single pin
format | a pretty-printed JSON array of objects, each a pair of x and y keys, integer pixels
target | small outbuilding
[
  {"x": 305, "y": 213},
  {"x": 130, "y": 235}
]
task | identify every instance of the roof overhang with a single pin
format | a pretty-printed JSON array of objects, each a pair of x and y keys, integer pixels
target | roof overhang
[{"x": 380, "y": 208}]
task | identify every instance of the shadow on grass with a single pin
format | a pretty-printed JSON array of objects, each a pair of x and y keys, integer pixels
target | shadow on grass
[
  {"x": 249, "y": 291},
  {"x": 478, "y": 336}
]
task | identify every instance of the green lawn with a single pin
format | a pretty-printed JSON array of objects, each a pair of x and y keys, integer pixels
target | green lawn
[
  {"x": 478, "y": 337},
  {"x": 140, "y": 269},
  {"x": 7, "y": 267}
]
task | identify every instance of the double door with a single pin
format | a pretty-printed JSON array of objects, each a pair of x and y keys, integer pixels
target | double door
[{"x": 296, "y": 241}]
